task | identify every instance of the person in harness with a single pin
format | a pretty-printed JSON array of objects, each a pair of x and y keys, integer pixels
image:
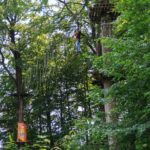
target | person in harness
[{"x": 77, "y": 35}]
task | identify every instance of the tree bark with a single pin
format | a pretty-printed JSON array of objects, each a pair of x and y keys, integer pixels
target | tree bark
[{"x": 106, "y": 31}]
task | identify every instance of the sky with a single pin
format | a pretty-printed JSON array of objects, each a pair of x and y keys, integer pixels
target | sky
[
  {"x": 1, "y": 144},
  {"x": 52, "y": 1}
]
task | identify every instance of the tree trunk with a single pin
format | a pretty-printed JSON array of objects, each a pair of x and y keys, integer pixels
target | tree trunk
[
  {"x": 61, "y": 112},
  {"x": 40, "y": 123},
  {"x": 98, "y": 44},
  {"x": 19, "y": 85},
  {"x": 18, "y": 69},
  {"x": 50, "y": 129},
  {"x": 106, "y": 31}
]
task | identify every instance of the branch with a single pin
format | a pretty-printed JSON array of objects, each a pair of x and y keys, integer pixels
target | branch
[
  {"x": 67, "y": 6},
  {"x": 4, "y": 66},
  {"x": 86, "y": 2},
  {"x": 89, "y": 45}
]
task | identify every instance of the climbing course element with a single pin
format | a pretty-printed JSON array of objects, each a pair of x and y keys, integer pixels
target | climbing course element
[
  {"x": 101, "y": 9},
  {"x": 22, "y": 133}
]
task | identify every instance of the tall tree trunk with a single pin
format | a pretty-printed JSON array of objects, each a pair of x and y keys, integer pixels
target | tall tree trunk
[
  {"x": 19, "y": 85},
  {"x": 102, "y": 12},
  {"x": 106, "y": 31},
  {"x": 18, "y": 69}
]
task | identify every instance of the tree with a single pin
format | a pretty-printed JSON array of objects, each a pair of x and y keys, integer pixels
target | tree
[
  {"x": 16, "y": 42},
  {"x": 127, "y": 65}
]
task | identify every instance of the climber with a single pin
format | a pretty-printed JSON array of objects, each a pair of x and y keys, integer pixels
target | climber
[{"x": 77, "y": 35}]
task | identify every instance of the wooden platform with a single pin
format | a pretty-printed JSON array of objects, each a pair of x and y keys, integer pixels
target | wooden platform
[{"x": 99, "y": 10}]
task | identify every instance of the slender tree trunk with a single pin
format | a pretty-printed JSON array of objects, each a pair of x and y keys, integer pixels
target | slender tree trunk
[
  {"x": 40, "y": 123},
  {"x": 68, "y": 107},
  {"x": 61, "y": 112},
  {"x": 88, "y": 101},
  {"x": 49, "y": 127},
  {"x": 48, "y": 113},
  {"x": 98, "y": 44}
]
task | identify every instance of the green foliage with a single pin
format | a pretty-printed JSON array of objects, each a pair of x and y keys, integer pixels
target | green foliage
[
  {"x": 63, "y": 109},
  {"x": 128, "y": 67},
  {"x": 85, "y": 136},
  {"x": 10, "y": 144},
  {"x": 41, "y": 143}
]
